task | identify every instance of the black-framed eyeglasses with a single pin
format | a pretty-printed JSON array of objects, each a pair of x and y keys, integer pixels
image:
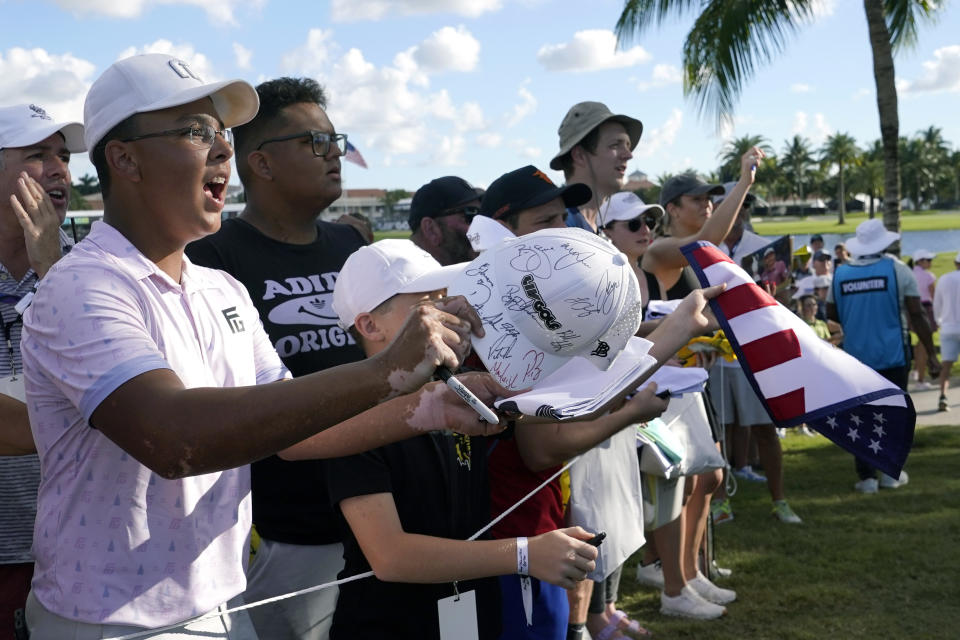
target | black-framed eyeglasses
[
  {"x": 634, "y": 225},
  {"x": 201, "y": 135},
  {"x": 469, "y": 212},
  {"x": 320, "y": 140}
]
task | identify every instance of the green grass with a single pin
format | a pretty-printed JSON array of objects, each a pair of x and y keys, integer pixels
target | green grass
[
  {"x": 860, "y": 566},
  {"x": 910, "y": 221},
  {"x": 380, "y": 235}
]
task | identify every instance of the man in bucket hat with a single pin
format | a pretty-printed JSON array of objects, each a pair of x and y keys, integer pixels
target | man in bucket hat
[
  {"x": 34, "y": 194},
  {"x": 147, "y": 378},
  {"x": 595, "y": 146},
  {"x": 871, "y": 296}
]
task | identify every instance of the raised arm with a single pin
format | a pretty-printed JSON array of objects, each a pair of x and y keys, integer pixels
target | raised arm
[
  {"x": 664, "y": 254},
  {"x": 179, "y": 432}
]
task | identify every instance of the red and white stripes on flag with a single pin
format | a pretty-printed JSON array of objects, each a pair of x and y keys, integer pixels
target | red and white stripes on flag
[
  {"x": 352, "y": 155},
  {"x": 801, "y": 378}
]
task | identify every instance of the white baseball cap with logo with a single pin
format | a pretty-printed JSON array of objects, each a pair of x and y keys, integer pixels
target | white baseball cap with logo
[
  {"x": 22, "y": 125},
  {"x": 155, "y": 81},
  {"x": 377, "y": 272},
  {"x": 547, "y": 297},
  {"x": 626, "y": 205}
]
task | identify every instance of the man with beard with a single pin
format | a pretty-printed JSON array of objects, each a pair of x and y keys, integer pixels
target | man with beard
[{"x": 440, "y": 213}]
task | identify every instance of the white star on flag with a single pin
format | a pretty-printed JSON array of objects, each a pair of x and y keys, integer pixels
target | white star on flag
[
  {"x": 855, "y": 419},
  {"x": 832, "y": 421},
  {"x": 853, "y": 434},
  {"x": 875, "y": 445},
  {"x": 878, "y": 417},
  {"x": 877, "y": 429}
]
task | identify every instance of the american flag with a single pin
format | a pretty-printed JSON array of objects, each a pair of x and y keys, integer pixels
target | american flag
[
  {"x": 352, "y": 155},
  {"x": 801, "y": 378}
]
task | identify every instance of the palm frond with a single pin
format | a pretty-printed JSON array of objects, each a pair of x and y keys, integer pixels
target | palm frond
[
  {"x": 639, "y": 15},
  {"x": 904, "y": 17}
]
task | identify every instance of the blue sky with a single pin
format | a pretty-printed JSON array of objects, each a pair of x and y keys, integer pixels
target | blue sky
[{"x": 476, "y": 88}]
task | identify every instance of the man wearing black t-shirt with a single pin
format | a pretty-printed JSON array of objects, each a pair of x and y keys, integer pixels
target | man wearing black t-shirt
[{"x": 288, "y": 159}]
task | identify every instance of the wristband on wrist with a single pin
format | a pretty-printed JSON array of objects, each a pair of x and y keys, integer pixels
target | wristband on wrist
[{"x": 523, "y": 557}]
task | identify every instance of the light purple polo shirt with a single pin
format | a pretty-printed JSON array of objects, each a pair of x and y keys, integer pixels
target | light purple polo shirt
[{"x": 114, "y": 542}]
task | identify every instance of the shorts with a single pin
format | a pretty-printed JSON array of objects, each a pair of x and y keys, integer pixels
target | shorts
[
  {"x": 662, "y": 500},
  {"x": 949, "y": 346},
  {"x": 733, "y": 399}
]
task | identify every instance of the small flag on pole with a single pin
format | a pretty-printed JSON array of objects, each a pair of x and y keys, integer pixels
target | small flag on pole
[
  {"x": 801, "y": 378},
  {"x": 352, "y": 155}
]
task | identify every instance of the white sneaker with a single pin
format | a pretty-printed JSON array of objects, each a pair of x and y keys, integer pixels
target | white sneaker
[
  {"x": 886, "y": 482},
  {"x": 711, "y": 592},
  {"x": 866, "y": 486},
  {"x": 651, "y": 575},
  {"x": 689, "y": 604},
  {"x": 922, "y": 386}
]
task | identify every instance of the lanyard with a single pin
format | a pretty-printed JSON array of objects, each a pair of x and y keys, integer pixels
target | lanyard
[{"x": 7, "y": 328}]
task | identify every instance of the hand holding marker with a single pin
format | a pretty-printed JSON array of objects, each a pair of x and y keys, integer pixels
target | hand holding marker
[{"x": 483, "y": 410}]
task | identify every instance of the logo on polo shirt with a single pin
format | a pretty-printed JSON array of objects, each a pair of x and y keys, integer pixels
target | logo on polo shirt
[{"x": 233, "y": 319}]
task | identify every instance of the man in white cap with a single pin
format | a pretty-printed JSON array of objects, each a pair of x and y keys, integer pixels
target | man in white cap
[
  {"x": 146, "y": 378},
  {"x": 595, "y": 146},
  {"x": 34, "y": 194},
  {"x": 288, "y": 159},
  {"x": 871, "y": 297},
  {"x": 946, "y": 309}
]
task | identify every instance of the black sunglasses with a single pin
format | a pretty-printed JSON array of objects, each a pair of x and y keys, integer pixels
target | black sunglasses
[
  {"x": 634, "y": 225},
  {"x": 469, "y": 213}
]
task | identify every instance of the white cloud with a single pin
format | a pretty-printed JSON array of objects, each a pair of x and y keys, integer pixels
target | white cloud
[
  {"x": 392, "y": 106},
  {"x": 663, "y": 75},
  {"x": 311, "y": 57},
  {"x": 448, "y": 49},
  {"x": 817, "y": 132},
  {"x": 449, "y": 153},
  {"x": 662, "y": 137},
  {"x": 526, "y": 150},
  {"x": 199, "y": 63},
  {"x": 863, "y": 92},
  {"x": 822, "y": 8},
  {"x": 940, "y": 74},
  {"x": 56, "y": 82},
  {"x": 526, "y": 106},
  {"x": 218, "y": 11},
  {"x": 242, "y": 55},
  {"x": 488, "y": 140},
  {"x": 353, "y": 10},
  {"x": 799, "y": 87},
  {"x": 590, "y": 50}
]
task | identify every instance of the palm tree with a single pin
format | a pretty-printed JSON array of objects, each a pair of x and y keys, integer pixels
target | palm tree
[
  {"x": 840, "y": 149},
  {"x": 733, "y": 150},
  {"x": 730, "y": 38},
  {"x": 797, "y": 161}
]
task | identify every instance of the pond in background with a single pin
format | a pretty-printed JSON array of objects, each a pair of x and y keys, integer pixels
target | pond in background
[{"x": 910, "y": 241}]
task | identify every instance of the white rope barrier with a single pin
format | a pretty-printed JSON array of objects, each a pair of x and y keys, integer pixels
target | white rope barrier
[{"x": 293, "y": 594}]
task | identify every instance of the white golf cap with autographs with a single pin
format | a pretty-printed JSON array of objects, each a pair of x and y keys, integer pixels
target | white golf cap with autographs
[
  {"x": 155, "y": 81},
  {"x": 377, "y": 272},
  {"x": 22, "y": 125},
  {"x": 547, "y": 297}
]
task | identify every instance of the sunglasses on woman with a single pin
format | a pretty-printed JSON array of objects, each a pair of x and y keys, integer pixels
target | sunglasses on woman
[{"x": 634, "y": 225}]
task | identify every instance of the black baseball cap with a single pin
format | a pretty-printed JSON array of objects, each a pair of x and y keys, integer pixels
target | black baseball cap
[
  {"x": 526, "y": 188},
  {"x": 822, "y": 256},
  {"x": 437, "y": 196},
  {"x": 687, "y": 185},
  {"x": 816, "y": 238}
]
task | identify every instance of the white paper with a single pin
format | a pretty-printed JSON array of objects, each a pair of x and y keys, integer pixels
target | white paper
[{"x": 458, "y": 617}]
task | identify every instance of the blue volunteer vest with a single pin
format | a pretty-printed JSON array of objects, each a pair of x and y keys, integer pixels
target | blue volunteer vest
[{"x": 869, "y": 310}]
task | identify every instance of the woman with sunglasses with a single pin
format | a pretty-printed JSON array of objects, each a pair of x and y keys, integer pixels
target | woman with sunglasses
[{"x": 629, "y": 224}]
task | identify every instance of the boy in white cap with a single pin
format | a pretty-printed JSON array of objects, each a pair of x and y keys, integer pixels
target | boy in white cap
[
  {"x": 142, "y": 374},
  {"x": 871, "y": 296},
  {"x": 421, "y": 497},
  {"x": 34, "y": 194}
]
